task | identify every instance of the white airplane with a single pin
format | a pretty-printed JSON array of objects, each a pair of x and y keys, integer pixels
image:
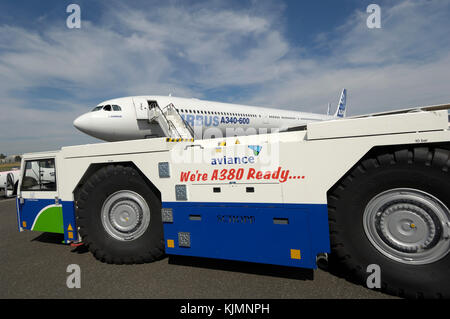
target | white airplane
[{"x": 139, "y": 117}]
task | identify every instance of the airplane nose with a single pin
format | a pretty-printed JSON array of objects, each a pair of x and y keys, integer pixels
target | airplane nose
[
  {"x": 76, "y": 123},
  {"x": 94, "y": 125},
  {"x": 81, "y": 123}
]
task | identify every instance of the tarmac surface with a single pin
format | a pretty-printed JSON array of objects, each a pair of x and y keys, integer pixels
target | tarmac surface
[{"x": 34, "y": 265}]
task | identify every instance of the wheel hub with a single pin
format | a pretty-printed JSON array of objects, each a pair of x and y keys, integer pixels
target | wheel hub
[
  {"x": 408, "y": 225},
  {"x": 125, "y": 215}
]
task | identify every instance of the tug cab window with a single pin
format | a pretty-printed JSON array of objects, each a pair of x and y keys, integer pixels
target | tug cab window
[{"x": 40, "y": 175}]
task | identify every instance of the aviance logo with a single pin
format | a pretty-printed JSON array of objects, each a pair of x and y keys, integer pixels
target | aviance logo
[
  {"x": 233, "y": 160},
  {"x": 255, "y": 148}
]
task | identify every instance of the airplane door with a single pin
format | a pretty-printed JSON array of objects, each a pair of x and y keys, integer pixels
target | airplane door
[{"x": 141, "y": 107}]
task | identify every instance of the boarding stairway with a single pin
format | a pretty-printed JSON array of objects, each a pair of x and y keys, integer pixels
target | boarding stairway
[{"x": 170, "y": 121}]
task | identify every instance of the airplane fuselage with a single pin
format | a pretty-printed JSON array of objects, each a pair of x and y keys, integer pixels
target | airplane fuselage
[{"x": 127, "y": 118}]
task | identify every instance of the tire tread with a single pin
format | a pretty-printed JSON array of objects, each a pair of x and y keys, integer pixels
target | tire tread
[
  {"x": 438, "y": 158},
  {"x": 96, "y": 179}
]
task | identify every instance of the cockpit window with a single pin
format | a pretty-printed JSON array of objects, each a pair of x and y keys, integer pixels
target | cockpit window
[{"x": 107, "y": 108}]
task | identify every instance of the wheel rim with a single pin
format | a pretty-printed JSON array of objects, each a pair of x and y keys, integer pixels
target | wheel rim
[
  {"x": 408, "y": 226},
  {"x": 125, "y": 215}
]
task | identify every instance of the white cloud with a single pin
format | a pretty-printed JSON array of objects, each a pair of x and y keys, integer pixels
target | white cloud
[
  {"x": 403, "y": 64},
  {"x": 172, "y": 50}
]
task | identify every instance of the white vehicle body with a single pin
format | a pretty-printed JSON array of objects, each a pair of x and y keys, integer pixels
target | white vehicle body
[
  {"x": 128, "y": 118},
  {"x": 263, "y": 198},
  {"x": 15, "y": 174}
]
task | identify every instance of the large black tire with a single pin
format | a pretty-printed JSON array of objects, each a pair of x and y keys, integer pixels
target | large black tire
[
  {"x": 97, "y": 191},
  {"x": 423, "y": 169}
]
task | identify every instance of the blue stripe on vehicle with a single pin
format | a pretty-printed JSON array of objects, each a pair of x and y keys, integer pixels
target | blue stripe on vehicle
[
  {"x": 248, "y": 232},
  {"x": 70, "y": 226},
  {"x": 28, "y": 212}
]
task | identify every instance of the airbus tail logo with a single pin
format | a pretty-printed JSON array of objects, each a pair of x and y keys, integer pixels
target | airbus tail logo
[{"x": 341, "y": 110}]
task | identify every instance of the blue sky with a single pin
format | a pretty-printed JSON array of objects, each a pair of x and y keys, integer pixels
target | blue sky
[{"x": 283, "y": 54}]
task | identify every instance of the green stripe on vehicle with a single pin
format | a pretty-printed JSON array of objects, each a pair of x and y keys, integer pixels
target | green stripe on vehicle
[{"x": 50, "y": 220}]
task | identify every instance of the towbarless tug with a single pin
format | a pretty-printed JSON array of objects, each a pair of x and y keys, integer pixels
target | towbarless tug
[{"x": 369, "y": 190}]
